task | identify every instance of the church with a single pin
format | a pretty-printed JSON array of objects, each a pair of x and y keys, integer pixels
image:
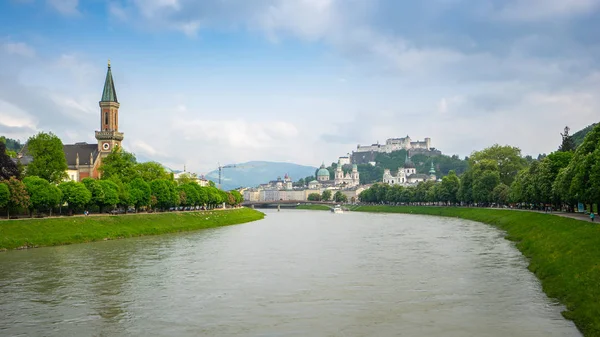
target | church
[
  {"x": 407, "y": 175},
  {"x": 84, "y": 159}
]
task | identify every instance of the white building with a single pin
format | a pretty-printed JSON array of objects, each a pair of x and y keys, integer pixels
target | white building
[{"x": 407, "y": 175}]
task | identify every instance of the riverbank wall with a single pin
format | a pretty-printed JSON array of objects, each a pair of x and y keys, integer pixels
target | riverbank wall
[
  {"x": 563, "y": 253},
  {"x": 30, "y": 233}
]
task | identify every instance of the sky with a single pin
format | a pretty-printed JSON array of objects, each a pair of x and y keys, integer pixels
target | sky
[{"x": 302, "y": 81}]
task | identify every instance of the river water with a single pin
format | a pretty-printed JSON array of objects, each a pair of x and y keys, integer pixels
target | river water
[{"x": 295, "y": 273}]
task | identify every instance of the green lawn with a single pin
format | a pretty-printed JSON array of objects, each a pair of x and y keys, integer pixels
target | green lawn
[
  {"x": 563, "y": 253},
  {"x": 314, "y": 207},
  {"x": 67, "y": 230}
]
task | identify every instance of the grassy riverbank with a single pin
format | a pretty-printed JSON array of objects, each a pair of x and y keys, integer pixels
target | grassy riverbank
[
  {"x": 67, "y": 230},
  {"x": 563, "y": 253},
  {"x": 314, "y": 207}
]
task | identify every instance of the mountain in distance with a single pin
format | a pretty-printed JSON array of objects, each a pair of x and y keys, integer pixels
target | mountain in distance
[{"x": 254, "y": 173}]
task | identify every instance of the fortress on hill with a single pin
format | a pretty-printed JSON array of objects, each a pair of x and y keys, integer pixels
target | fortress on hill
[{"x": 367, "y": 153}]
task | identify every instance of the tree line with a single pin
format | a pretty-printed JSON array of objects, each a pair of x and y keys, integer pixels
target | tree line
[
  {"x": 125, "y": 184},
  {"x": 500, "y": 175}
]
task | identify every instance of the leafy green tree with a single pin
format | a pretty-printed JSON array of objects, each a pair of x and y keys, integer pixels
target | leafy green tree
[
  {"x": 119, "y": 164},
  {"x": 483, "y": 185},
  {"x": 314, "y": 197},
  {"x": 202, "y": 194},
  {"x": 111, "y": 193},
  {"x": 548, "y": 173},
  {"x": 139, "y": 193},
  {"x": 152, "y": 171},
  {"x": 43, "y": 195},
  {"x": 8, "y": 168},
  {"x": 582, "y": 169},
  {"x": 449, "y": 188},
  {"x": 123, "y": 192},
  {"x": 465, "y": 191},
  {"x": 75, "y": 194},
  {"x": 49, "y": 161},
  {"x": 507, "y": 158},
  {"x": 160, "y": 190},
  {"x": 340, "y": 197},
  {"x": 4, "y": 195},
  {"x": 239, "y": 198},
  {"x": 189, "y": 195},
  {"x": 96, "y": 190},
  {"x": 326, "y": 195},
  {"x": 500, "y": 194}
]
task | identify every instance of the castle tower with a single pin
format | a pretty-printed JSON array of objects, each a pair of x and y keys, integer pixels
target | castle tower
[{"x": 109, "y": 136}]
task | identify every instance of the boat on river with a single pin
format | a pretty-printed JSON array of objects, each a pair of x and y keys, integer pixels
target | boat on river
[{"x": 337, "y": 209}]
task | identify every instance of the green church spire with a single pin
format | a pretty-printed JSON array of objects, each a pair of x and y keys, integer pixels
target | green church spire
[
  {"x": 109, "y": 94},
  {"x": 432, "y": 169}
]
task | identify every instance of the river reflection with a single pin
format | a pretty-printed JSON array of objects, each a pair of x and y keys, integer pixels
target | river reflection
[{"x": 296, "y": 273}]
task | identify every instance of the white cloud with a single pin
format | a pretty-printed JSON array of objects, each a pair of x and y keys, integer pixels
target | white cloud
[
  {"x": 66, "y": 7},
  {"x": 19, "y": 48}
]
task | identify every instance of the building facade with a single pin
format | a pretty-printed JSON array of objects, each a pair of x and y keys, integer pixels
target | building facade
[{"x": 407, "y": 175}]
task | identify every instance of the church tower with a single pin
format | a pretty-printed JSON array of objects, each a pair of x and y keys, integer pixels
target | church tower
[{"x": 109, "y": 136}]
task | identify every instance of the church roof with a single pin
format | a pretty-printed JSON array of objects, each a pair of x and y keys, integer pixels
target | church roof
[
  {"x": 109, "y": 94},
  {"x": 83, "y": 149},
  {"x": 323, "y": 173}
]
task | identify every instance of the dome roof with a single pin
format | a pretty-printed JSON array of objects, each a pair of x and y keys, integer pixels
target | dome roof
[
  {"x": 323, "y": 172},
  {"x": 313, "y": 182}
]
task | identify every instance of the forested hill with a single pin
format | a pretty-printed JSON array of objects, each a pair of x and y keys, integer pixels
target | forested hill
[
  {"x": 371, "y": 174},
  {"x": 580, "y": 135},
  {"x": 11, "y": 144}
]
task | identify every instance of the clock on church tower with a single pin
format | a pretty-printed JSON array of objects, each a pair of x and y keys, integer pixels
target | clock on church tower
[{"x": 109, "y": 134}]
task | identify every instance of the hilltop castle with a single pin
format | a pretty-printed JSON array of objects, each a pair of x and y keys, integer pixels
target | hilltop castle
[{"x": 367, "y": 153}]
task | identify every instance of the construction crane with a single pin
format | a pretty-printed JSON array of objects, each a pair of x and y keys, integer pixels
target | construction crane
[{"x": 221, "y": 169}]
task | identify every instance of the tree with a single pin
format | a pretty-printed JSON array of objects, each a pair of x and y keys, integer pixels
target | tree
[
  {"x": 75, "y": 194},
  {"x": 151, "y": 171},
  {"x": 314, "y": 197},
  {"x": 500, "y": 194},
  {"x": 239, "y": 198},
  {"x": 43, "y": 196},
  {"x": 568, "y": 144},
  {"x": 139, "y": 193},
  {"x": 96, "y": 191},
  {"x": 119, "y": 164},
  {"x": 449, "y": 188},
  {"x": 483, "y": 185},
  {"x": 326, "y": 195},
  {"x": 49, "y": 161},
  {"x": 340, "y": 197},
  {"x": 160, "y": 190},
  {"x": 507, "y": 158},
  {"x": 4, "y": 194},
  {"x": 19, "y": 198},
  {"x": 8, "y": 168},
  {"x": 111, "y": 193},
  {"x": 581, "y": 171}
]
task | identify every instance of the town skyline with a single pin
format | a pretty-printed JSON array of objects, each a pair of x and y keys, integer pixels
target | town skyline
[{"x": 299, "y": 81}]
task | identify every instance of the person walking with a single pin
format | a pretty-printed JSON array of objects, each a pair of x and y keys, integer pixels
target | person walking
[{"x": 592, "y": 216}]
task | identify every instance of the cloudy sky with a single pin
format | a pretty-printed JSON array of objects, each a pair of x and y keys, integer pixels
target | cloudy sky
[{"x": 302, "y": 81}]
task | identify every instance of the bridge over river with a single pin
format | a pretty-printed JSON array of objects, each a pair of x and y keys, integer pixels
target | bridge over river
[{"x": 286, "y": 203}]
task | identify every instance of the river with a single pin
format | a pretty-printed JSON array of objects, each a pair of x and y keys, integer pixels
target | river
[{"x": 295, "y": 273}]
